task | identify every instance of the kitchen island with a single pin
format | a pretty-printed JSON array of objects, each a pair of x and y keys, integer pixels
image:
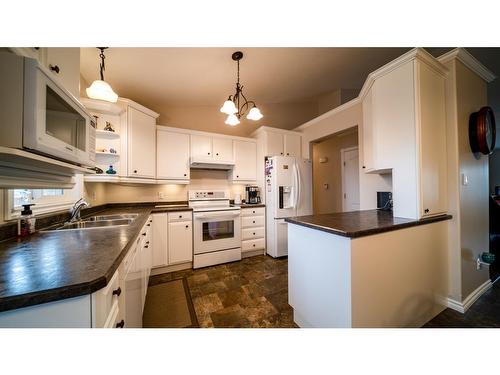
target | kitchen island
[{"x": 366, "y": 269}]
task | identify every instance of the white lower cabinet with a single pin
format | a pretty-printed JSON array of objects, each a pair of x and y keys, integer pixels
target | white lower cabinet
[
  {"x": 173, "y": 233},
  {"x": 253, "y": 229}
]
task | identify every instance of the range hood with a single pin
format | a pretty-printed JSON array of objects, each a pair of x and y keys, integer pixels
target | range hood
[{"x": 200, "y": 163}]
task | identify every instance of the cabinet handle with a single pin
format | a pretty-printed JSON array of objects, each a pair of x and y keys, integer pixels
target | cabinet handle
[
  {"x": 254, "y": 233},
  {"x": 253, "y": 212},
  {"x": 144, "y": 234},
  {"x": 117, "y": 292},
  {"x": 287, "y": 154},
  {"x": 148, "y": 225},
  {"x": 217, "y": 154},
  {"x": 187, "y": 226},
  {"x": 180, "y": 216},
  {"x": 237, "y": 176},
  {"x": 426, "y": 210},
  {"x": 281, "y": 153},
  {"x": 147, "y": 242},
  {"x": 185, "y": 174},
  {"x": 208, "y": 153},
  {"x": 253, "y": 221},
  {"x": 146, "y": 246},
  {"x": 364, "y": 167},
  {"x": 253, "y": 245},
  {"x": 135, "y": 170},
  {"x": 54, "y": 68},
  {"x": 121, "y": 324}
]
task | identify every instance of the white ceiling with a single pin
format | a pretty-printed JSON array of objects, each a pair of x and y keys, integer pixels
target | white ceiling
[{"x": 158, "y": 77}]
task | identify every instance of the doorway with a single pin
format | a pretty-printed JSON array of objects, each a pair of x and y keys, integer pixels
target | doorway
[{"x": 350, "y": 178}]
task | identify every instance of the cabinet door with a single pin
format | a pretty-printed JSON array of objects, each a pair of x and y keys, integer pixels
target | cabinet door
[
  {"x": 172, "y": 155},
  {"x": 180, "y": 242},
  {"x": 223, "y": 149},
  {"x": 141, "y": 144},
  {"x": 160, "y": 240},
  {"x": 367, "y": 133},
  {"x": 433, "y": 174},
  {"x": 292, "y": 145},
  {"x": 201, "y": 147},
  {"x": 245, "y": 161},
  {"x": 64, "y": 63},
  {"x": 274, "y": 144}
]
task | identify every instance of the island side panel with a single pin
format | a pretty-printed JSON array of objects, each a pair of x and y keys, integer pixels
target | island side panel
[
  {"x": 319, "y": 278},
  {"x": 399, "y": 278}
]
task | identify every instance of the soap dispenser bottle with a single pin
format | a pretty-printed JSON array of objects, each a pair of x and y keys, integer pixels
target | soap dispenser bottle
[{"x": 27, "y": 221}]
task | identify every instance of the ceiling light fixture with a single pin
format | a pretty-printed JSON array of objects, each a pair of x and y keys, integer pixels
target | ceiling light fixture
[
  {"x": 100, "y": 89},
  {"x": 232, "y": 106}
]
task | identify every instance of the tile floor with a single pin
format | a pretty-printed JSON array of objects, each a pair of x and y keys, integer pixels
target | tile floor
[{"x": 250, "y": 293}]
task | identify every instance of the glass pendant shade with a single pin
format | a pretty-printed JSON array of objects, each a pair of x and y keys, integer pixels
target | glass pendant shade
[
  {"x": 254, "y": 114},
  {"x": 229, "y": 108},
  {"x": 232, "y": 120},
  {"x": 101, "y": 90}
]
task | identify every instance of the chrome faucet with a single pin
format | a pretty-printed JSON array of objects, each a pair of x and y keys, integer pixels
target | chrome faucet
[{"x": 77, "y": 207}]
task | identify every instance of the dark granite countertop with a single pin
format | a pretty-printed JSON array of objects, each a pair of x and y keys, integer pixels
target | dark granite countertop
[
  {"x": 360, "y": 223},
  {"x": 248, "y": 205},
  {"x": 50, "y": 266}
]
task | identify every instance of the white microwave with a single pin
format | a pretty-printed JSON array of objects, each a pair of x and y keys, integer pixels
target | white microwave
[{"x": 38, "y": 114}]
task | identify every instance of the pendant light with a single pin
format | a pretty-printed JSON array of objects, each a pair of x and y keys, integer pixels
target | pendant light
[
  {"x": 100, "y": 89},
  {"x": 232, "y": 106}
]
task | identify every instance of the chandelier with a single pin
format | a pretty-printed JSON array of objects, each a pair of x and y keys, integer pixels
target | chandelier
[
  {"x": 100, "y": 89},
  {"x": 237, "y": 104}
]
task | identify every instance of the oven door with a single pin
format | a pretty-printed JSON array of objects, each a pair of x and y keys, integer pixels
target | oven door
[{"x": 216, "y": 230}]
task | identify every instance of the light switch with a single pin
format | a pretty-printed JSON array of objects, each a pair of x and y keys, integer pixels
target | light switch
[
  {"x": 325, "y": 186},
  {"x": 465, "y": 179}
]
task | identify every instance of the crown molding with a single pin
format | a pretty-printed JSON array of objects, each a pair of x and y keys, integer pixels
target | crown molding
[
  {"x": 464, "y": 56},
  {"x": 326, "y": 115}
]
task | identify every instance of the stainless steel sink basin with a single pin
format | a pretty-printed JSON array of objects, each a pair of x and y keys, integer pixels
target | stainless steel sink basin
[
  {"x": 111, "y": 217},
  {"x": 95, "y": 224}
]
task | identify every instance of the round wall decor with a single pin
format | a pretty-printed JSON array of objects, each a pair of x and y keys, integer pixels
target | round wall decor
[{"x": 482, "y": 131}]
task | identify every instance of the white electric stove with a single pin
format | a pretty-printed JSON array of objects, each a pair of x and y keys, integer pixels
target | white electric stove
[{"x": 216, "y": 228}]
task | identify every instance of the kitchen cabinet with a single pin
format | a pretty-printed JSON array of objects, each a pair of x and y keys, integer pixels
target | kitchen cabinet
[
  {"x": 180, "y": 241},
  {"x": 253, "y": 232},
  {"x": 276, "y": 142},
  {"x": 404, "y": 133},
  {"x": 64, "y": 63},
  {"x": 141, "y": 144},
  {"x": 211, "y": 148},
  {"x": 173, "y": 238},
  {"x": 245, "y": 161},
  {"x": 172, "y": 155}
]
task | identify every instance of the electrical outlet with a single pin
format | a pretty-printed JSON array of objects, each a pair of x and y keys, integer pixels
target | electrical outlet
[
  {"x": 94, "y": 197},
  {"x": 161, "y": 195}
]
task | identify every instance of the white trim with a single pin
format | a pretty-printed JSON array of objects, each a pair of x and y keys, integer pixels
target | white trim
[
  {"x": 264, "y": 128},
  {"x": 462, "y": 307},
  {"x": 137, "y": 106},
  {"x": 462, "y": 55},
  {"x": 167, "y": 128},
  {"x": 342, "y": 166},
  {"x": 102, "y": 106}
]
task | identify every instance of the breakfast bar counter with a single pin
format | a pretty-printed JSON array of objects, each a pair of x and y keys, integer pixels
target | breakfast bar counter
[{"x": 366, "y": 269}]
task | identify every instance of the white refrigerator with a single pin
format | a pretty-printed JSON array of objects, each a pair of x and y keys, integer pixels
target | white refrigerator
[{"x": 288, "y": 183}]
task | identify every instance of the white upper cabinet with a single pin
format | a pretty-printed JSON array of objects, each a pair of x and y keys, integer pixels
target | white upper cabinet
[
  {"x": 404, "y": 132},
  {"x": 275, "y": 145},
  {"x": 245, "y": 161},
  {"x": 141, "y": 144},
  {"x": 222, "y": 149},
  {"x": 291, "y": 145},
  {"x": 172, "y": 155},
  {"x": 201, "y": 147},
  {"x": 64, "y": 63}
]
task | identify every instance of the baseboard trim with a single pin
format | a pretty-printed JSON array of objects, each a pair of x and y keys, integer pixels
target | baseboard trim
[
  {"x": 463, "y": 306},
  {"x": 173, "y": 268}
]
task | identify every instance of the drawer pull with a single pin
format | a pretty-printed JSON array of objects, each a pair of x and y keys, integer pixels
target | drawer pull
[
  {"x": 253, "y": 245},
  {"x": 180, "y": 216},
  {"x": 54, "y": 68},
  {"x": 187, "y": 226},
  {"x": 144, "y": 233},
  {"x": 254, "y": 233},
  {"x": 253, "y": 212},
  {"x": 147, "y": 242},
  {"x": 117, "y": 292},
  {"x": 253, "y": 221},
  {"x": 121, "y": 324}
]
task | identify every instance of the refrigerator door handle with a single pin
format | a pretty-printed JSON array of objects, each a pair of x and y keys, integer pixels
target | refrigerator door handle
[{"x": 296, "y": 178}]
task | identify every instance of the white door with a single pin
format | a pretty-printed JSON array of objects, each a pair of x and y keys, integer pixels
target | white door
[
  {"x": 172, "y": 150},
  {"x": 245, "y": 161},
  {"x": 350, "y": 179},
  {"x": 180, "y": 242},
  {"x": 160, "y": 240},
  {"x": 274, "y": 144},
  {"x": 292, "y": 145},
  {"x": 223, "y": 149},
  {"x": 142, "y": 144},
  {"x": 281, "y": 238},
  {"x": 201, "y": 147},
  {"x": 64, "y": 63}
]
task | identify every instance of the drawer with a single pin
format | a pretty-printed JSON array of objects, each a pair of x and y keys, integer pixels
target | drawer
[
  {"x": 253, "y": 221},
  {"x": 251, "y": 245},
  {"x": 180, "y": 216},
  {"x": 252, "y": 233},
  {"x": 257, "y": 211}
]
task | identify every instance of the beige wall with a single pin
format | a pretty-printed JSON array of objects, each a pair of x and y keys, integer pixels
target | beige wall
[
  {"x": 474, "y": 216},
  {"x": 330, "y": 199}
]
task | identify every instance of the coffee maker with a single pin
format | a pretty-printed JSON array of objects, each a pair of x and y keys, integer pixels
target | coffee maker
[{"x": 252, "y": 195}]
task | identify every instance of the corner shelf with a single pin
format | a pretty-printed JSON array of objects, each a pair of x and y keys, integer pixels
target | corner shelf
[
  {"x": 105, "y": 134},
  {"x": 100, "y": 153}
]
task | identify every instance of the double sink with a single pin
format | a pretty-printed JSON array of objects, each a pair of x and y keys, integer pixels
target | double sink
[{"x": 100, "y": 221}]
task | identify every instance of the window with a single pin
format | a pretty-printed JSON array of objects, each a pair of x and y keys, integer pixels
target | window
[{"x": 44, "y": 200}]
